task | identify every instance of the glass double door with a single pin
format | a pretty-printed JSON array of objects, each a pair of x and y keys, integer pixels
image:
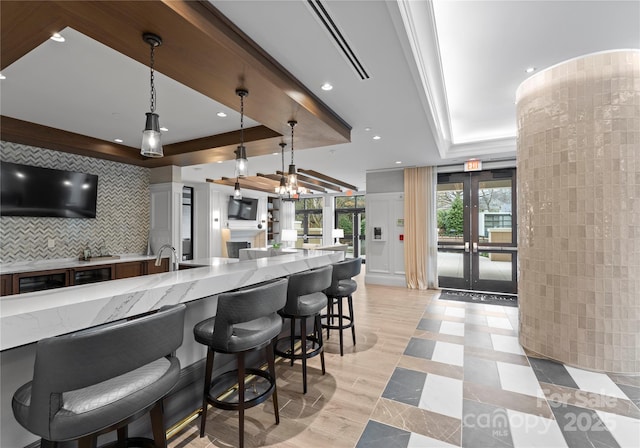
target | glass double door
[
  {"x": 352, "y": 222},
  {"x": 477, "y": 234}
]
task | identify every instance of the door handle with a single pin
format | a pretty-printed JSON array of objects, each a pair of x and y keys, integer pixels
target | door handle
[
  {"x": 475, "y": 247},
  {"x": 466, "y": 246}
]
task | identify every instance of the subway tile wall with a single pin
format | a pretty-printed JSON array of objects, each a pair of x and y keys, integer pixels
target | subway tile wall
[
  {"x": 579, "y": 210},
  {"x": 122, "y": 217}
]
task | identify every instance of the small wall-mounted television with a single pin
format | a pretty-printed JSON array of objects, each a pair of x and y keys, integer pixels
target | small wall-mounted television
[
  {"x": 243, "y": 209},
  {"x": 35, "y": 191}
]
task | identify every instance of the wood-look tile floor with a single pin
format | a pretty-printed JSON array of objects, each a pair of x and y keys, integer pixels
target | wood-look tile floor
[{"x": 432, "y": 373}]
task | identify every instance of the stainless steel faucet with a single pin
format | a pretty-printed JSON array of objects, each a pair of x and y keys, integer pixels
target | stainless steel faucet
[{"x": 173, "y": 266}]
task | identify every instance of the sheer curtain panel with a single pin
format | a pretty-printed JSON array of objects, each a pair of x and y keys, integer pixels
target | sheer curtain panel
[{"x": 420, "y": 241}]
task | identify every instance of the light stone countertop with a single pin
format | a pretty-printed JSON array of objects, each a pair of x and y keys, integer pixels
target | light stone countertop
[
  {"x": 27, "y": 318},
  {"x": 17, "y": 267}
]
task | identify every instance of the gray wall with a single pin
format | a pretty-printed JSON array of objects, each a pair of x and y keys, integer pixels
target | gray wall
[
  {"x": 122, "y": 218},
  {"x": 391, "y": 181}
]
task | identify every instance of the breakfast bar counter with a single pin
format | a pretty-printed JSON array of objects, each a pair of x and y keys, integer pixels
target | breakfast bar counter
[{"x": 27, "y": 318}]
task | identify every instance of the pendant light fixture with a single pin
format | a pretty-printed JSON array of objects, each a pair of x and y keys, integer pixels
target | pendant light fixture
[
  {"x": 242, "y": 164},
  {"x": 282, "y": 188},
  {"x": 237, "y": 193},
  {"x": 292, "y": 176},
  {"x": 151, "y": 137}
]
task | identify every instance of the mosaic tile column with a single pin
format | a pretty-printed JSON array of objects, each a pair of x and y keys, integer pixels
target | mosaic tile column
[{"x": 579, "y": 211}]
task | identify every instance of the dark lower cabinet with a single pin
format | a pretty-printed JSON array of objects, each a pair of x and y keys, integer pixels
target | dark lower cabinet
[
  {"x": 92, "y": 275},
  {"x": 39, "y": 281},
  {"x": 129, "y": 269},
  {"x": 59, "y": 278},
  {"x": 6, "y": 284}
]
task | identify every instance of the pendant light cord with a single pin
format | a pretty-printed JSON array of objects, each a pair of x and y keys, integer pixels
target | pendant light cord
[
  {"x": 292, "y": 125},
  {"x": 153, "y": 87},
  {"x": 241, "y": 120}
]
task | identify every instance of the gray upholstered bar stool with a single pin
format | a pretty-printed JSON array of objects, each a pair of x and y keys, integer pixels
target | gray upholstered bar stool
[
  {"x": 342, "y": 285},
  {"x": 245, "y": 320},
  {"x": 99, "y": 380},
  {"x": 305, "y": 299}
]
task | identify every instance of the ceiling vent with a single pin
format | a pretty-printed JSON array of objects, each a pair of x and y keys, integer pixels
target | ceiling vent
[{"x": 318, "y": 8}]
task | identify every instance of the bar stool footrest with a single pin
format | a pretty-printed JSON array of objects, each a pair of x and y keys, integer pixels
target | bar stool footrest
[
  {"x": 349, "y": 323},
  {"x": 287, "y": 353},
  {"x": 231, "y": 377}
]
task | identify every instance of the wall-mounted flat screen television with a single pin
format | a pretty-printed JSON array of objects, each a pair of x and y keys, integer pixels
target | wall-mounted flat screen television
[
  {"x": 243, "y": 209},
  {"x": 35, "y": 191}
]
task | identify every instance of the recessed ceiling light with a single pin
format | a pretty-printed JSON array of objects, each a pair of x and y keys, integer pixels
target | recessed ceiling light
[
  {"x": 367, "y": 129},
  {"x": 163, "y": 129},
  {"x": 376, "y": 137},
  {"x": 275, "y": 153},
  {"x": 118, "y": 140},
  {"x": 221, "y": 114},
  {"x": 326, "y": 86},
  {"x": 219, "y": 161},
  {"x": 530, "y": 69},
  {"x": 57, "y": 37},
  {"x": 398, "y": 162},
  {"x": 2, "y": 76}
]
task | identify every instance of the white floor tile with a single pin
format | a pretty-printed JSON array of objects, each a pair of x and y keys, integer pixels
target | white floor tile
[
  {"x": 509, "y": 344},
  {"x": 528, "y": 430},
  {"x": 452, "y": 328},
  {"x": 448, "y": 353},
  {"x": 442, "y": 395},
  {"x": 454, "y": 311},
  {"x": 625, "y": 430},
  {"x": 499, "y": 322},
  {"x": 420, "y": 441},
  {"x": 521, "y": 379},
  {"x": 595, "y": 382}
]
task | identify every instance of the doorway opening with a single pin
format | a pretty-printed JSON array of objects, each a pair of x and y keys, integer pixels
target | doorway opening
[{"x": 477, "y": 233}]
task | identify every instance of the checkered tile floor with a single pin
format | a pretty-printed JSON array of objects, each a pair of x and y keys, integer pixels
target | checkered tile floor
[{"x": 465, "y": 381}]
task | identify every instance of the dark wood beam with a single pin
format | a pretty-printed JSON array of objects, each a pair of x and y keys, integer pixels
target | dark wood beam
[
  {"x": 201, "y": 49},
  {"x": 326, "y": 178},
  {"x": 306, "y": 185},
  {"x": 320, "y": 183}
]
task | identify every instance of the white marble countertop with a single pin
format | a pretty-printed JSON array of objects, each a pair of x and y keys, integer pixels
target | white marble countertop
[
  {"x": 26, "y": 318},
  {"x": 17, "y": 267},
  {"x": 262, "y": 252},
  {"x": 213, "y": 261}
]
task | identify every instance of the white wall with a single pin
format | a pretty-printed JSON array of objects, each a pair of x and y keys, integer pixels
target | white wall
[{"x": 385, "y": 257}]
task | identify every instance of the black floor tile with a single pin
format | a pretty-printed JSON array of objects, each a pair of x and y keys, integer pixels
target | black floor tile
[
  {"x": 481, "y": 371},
  {"x": 484, "y": 425},
  {"x": 477, "y": 339},
  {"x": 582, "y": 427},
  {"x": 379, "y": 435},
  {"x": 431, "y": 325},
  {"x": 405, "y": 386},
  {"x": 552, "y": 372},
  {"x": 632, "y": 392},
  {"x": 420, "y": 348}
]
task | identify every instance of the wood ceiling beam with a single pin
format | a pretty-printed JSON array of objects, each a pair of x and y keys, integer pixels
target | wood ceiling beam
[
  {"x": 320, "y": 183},
  {"x": 328, "y": 179},
  {"x": 306, "y": 185},
  {"x": 201, "y": 49}
]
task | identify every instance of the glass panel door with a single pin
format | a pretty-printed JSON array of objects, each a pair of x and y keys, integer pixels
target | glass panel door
[
  {"x": 476, "y": 231},
  {"x": 353, "y": 224}
]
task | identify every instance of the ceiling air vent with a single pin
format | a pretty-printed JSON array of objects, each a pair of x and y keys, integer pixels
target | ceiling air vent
[{"x": 338, "y": 37}]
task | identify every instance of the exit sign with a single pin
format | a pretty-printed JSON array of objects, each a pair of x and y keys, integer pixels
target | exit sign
[{"x": 473, "y": 165}]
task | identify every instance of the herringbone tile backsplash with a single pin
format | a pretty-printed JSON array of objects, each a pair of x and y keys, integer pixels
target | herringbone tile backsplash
[{"x": 122, "y": 218}]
